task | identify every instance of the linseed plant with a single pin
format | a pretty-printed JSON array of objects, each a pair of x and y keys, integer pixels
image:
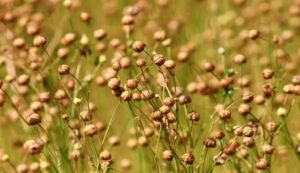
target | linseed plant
[{"x": 194, "y": 86}]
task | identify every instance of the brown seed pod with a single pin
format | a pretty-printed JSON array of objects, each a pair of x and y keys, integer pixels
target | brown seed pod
[
  {"x": 126, "y": 96},
  {"x": 127, "y": 20},
  {"x": 33, "y": 119},
  {"x": 85, "y": 17},
  {"x": 64, "y": 69},
  {"x": 100, "y": 34},
  {"x": 188, "y": 158},
  {"x": 160, "y": 35},
  {"x": 132, "y": 83},
  {"x": 138, "y": 46},
  {"x": 90, "y": 130},
  {"x": 39, "y": 41},
  {"x": 105, "y": 155},
  {"x": 33, "y": 146},
  {"x": 159, "y": 59},
  {"x": 114, "y": 83},
  {"x": 208, "y": 67},
  {"x": 193, "y": 116},
  {"x": 210, "y": 142},
  {"x": 253, "y": 34},
  {"x": 169, "y": 64},
  {"x": 218, "y": 134},
  {"x": 224, "y": 114},
  {"x": 267, "y": 73},
  {"x": 167, "y": 155},
  {"x": 262, "y": 164}
]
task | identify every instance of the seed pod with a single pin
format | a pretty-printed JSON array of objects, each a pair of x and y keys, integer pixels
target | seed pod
[
  {"x": 167, "y": 155},
  {"x": 63, "y": 53},
  {"x": 253, "y": 34},
  {"x": 244, "y": 109},
  {"x": 138, "y": 46},
  {"x": 22, "y": 168},
  {"x": 268, "y": 149},
  {"x": 90, "y": 130},
  {"x": 33, "y": 146},
  {"x": 132, "y": 83},
  {"x": 169, "y": 64},
  {"x": 160, "y": 35},
  {"x": 208, "y": 67},
  {"x": 218, "y": 135},
  {"x": 262, "y": 164},
  {"x": 34, "y": 167},
  {"x": 114, "y": 83},
  {"x": 224, "y": 114},
  {"x": 169, "y": 101},
  {"x": 126, "y": 96},
  {"x": 140, "y": 63},
  {"x": 171, "y": 118},
  {"x": 271, "y": 127},
  {"x": 85, "y": 17},
  {"x": 100, "y": 34},
  {"x": 249, "y": 142},
  {"x": 193, "y": 116},
  {"x": 156, "y": 115},
  {"x": 183, "y": 99},
  {"x": 23, "y": 79},
  {"x": 33, "y": 119},
  {"x": 247, "y": 96},
  {"x": 188, "y": 158},
  {"x": 159, "y": 59},
  {"x": 142, "y": 141},
  {"x": 127, "y": 20},
  {"x": 19, "y": 43},
  {"x": 210, "y": 142},
  {"x": 248, "y": 131},
  {"x": 164, "y": 109},
  {"x": 64, "y": 69},
  {"x": 105, "y": 155},
  {"x": 39, "y": 41},
  {"x": 239, "y": 59},
  {"x": 267, "y": 73}
]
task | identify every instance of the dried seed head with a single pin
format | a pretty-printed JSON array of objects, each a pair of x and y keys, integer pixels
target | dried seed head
[
  {"x": 33, "y": 119},
  {"x": 248, "y": 142},
  {"x": 262, "y": 164},
  {"x": 164, "y": 109},
  {"x": 45, "y": 97},
  {"x": 100, "y": 34},
  {"x": 169, "y": 64},
  {"x": 63, "y": 53},
  {"x": 169, "y": 101},
  {"x": 193, "y": 116},
  {"x": 160, "y": 35},
  {"x": 126, "y": 96},
  {"x": 167, "y": 155},
  {"x": 114, "y": 140},
  {"x": 188, "y": 158},
  {"x": 34, "y": 167},
  {"x": 23, "y": 79},
  {"x": 210, "y": 142},
  {"x": 218, "y": 134},
  {"x": 75, "y": 154},
  {"x": 224, "y": 114},
  {"x": 183, "y": 99},
  {"x": 39, "y": 41},
  {"x": 105, "y": 155},
  {"x": 140, "y": 63},
  {"x": 22, "y": 168},
  {"x": 132, "y": 83},
  {"x": 253, "y": 34},
  {"x": 127, "y": 20},
  {"x": 19, "y": 43},
  {"x": 208, "y": 67},
  {"x": 171, "y": 118},
  {"x": 244, "y": 109},
  {"x": 247, "y": 96},
  {"x": 267, "y": 73},
  {"x": 142, "y": 141},
  {"x": 156, "y": 115},
  {"x": 271, "y": 127},
  {"x": 85, "y": 17},
  {"x": 33, "y": 146},
  {"x": 125, "y": 164},
  {"x": 239, "y": 59},
  {"x": 114, "y": 83},
  {"x": 248, "y": 131},
  {"x": 138, "y": 46},
  {"x": 268, "y": 149},
  {"x": 64, "y": 69},
  {"x": 90, "y": 130},
  {"x": 159, "y": 59}
]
